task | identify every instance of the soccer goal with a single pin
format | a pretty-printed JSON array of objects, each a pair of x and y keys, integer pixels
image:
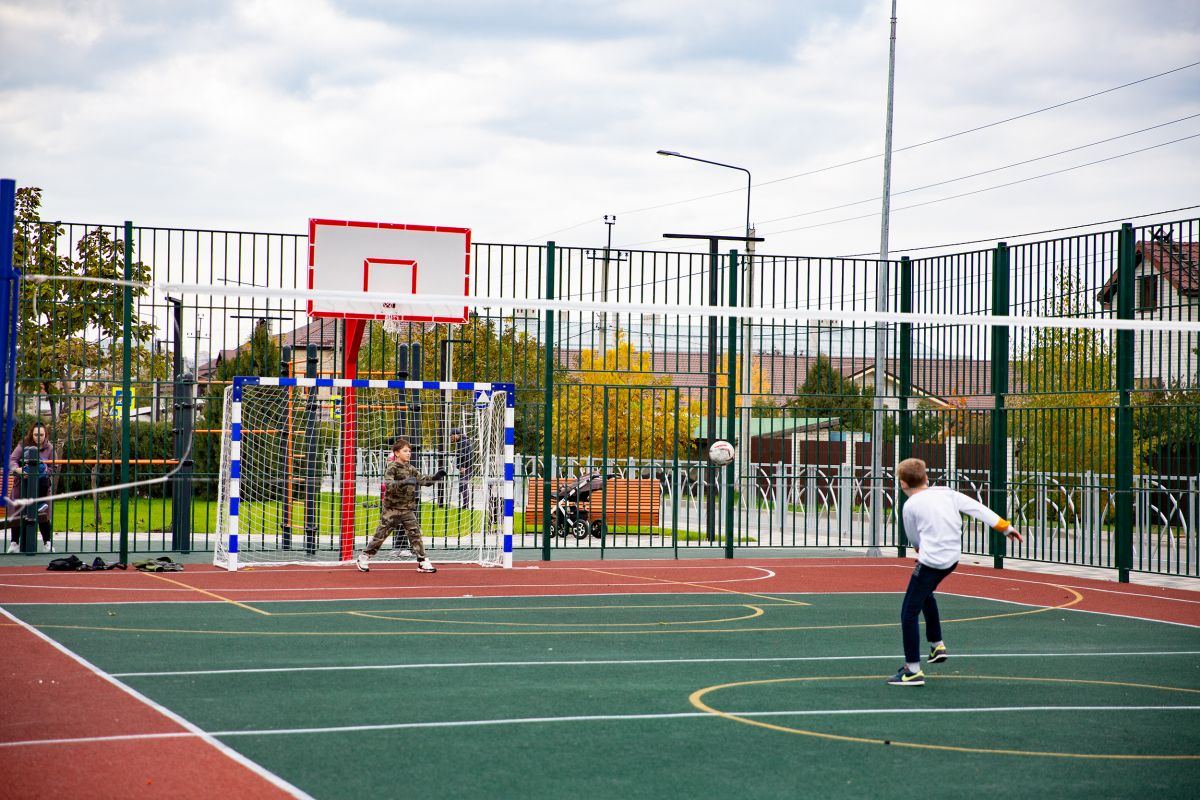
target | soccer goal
[{"x": 303, "y": 460}]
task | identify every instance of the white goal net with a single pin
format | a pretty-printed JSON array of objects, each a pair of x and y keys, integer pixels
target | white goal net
[{"x": 303, "y": 460}]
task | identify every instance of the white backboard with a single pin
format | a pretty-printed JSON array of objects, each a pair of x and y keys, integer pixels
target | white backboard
[{"x": 387, "y": 260}]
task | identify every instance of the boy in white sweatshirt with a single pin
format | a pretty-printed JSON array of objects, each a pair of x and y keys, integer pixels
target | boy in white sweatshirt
[{"x": 933, "y": 523}]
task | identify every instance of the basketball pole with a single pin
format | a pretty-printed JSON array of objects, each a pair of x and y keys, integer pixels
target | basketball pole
[{"x": 352, "y": 338}]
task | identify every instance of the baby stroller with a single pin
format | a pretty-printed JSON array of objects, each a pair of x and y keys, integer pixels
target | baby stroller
[{"x": 570, "y": 516}]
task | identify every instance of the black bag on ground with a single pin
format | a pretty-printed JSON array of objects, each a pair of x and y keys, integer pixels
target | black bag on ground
[{"x": 66, "y": 564}]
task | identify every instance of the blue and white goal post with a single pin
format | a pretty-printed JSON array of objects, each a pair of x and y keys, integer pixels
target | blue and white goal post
[{"x": 303, "y": 461}]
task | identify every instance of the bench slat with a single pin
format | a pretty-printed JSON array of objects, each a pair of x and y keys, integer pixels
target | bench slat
[{"x": 627, "y": 502}]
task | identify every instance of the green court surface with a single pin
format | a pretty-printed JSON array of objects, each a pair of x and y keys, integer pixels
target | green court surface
[{"x": 663, "y": 696}]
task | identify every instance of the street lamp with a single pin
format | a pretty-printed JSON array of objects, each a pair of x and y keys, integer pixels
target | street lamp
[
  {"x": 719, "y": 164},
  {"x": 747, "y": 294}
]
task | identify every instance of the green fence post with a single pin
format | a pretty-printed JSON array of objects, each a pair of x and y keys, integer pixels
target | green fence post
[
  {"x": 1124, "y": 461},
  {"x": 998, "y": 472},
  {"x": 904, "y": 370},
  {"x": 731, "y": 409},
  {"x": 548, "y": 411},
  {"x": 126, "y": 388}
]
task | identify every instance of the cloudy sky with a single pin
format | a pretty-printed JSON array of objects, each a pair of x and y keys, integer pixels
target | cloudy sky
[{"x": 529, "y": 120}]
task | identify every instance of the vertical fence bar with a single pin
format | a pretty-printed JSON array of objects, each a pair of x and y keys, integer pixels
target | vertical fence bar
[
  {"x": 548, "y": 411},
  {"x": 126, "y": 388},
  {"x": 905, "y": 375},
  {"x": 998, "y": 471},
  {"x": 1124, "y": 460},
  {"x": 731, "y": 413}
]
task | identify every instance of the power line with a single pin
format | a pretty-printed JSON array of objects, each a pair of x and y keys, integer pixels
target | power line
[
  {"x": 1005, "y": 237},
  {"x": 984, "y": 172},
  {"x": 991, "y": 188},
  {"x": 880, "y": 155}
]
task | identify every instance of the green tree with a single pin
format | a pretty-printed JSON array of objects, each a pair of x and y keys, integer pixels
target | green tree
[
  {"x": 1166, "y": 430},
  {"x": 70, "y": 332},
  {"x": 1064, "y": 414},
  {"x": 828, "y": 393}
]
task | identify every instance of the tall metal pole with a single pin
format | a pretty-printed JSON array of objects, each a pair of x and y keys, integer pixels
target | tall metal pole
[
  {"x": 609, "y": 221},
  {"x": 881, "y": 304}
]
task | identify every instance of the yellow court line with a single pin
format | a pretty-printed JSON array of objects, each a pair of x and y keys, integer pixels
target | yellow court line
[
  {"x": 471, "y": 609},
  {"x": 207, "y": 593},
  {"x": 755, "y": 611},
  {"x": 700, "y": 586},
  {"x": 695, "y": 699}
]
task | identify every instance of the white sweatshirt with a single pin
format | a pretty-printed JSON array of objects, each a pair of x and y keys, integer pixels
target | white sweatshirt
[{"x": 933, "y": 523}]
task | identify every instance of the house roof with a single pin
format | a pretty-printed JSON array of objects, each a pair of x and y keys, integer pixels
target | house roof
[
  {"x": 767, "y": 426},
  {"x": 969, "y": 381},
  {"x": 1175, "y": 261}
]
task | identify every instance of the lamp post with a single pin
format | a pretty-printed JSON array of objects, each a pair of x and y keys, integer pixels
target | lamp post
[{"x": 748, "y": 285}]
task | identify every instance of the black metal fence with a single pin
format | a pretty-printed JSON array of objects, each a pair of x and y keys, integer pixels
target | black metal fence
[{"x": 1089, "y": 440}]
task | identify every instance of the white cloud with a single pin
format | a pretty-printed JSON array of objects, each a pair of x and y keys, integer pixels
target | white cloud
[{"x": 532, "y": 117}]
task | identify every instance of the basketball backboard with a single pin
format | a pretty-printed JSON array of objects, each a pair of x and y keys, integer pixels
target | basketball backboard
[{"x": 387, "y": 260}]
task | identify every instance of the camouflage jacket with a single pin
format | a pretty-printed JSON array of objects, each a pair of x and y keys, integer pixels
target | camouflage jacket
[{"x": 403, "y": 496}]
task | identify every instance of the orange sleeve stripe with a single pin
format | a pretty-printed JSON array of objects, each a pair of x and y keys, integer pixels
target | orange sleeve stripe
[{"x": 1003, "y": 525}]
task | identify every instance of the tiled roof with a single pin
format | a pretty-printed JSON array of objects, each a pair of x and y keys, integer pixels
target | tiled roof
[
  {"x": 967, "y": 381},
  {"x": 1175, "y": 261}
]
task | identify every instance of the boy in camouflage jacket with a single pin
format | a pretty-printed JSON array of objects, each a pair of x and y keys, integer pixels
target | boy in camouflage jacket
[{"x": 402, "y": 493}]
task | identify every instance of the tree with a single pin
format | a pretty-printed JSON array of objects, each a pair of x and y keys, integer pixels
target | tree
[
  {"x": 644, "y": 419},
  {"x": 70, "y": 332},
  {"x": 1166, "y": 431},
  {"x": 1064, "y": 414},
  {"x": 828, "y": 393}
]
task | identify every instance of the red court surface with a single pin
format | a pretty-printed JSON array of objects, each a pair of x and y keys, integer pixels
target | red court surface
[{"x": 60, "y": 715}]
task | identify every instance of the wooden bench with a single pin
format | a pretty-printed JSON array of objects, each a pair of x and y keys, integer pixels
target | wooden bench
[{"x": 627, "y": 503}]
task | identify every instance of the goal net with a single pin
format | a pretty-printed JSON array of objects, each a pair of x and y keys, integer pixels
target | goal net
[{"x": 303, "y": 461}]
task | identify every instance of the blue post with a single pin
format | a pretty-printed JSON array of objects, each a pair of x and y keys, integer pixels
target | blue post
[{"x": 10, "y": 287}]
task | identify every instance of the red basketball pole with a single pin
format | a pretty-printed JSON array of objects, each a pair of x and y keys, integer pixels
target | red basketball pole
[{"x": 353, "y": 340}]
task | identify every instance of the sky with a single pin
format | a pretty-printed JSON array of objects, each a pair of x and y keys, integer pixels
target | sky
[{"x": 530, "y": 120}]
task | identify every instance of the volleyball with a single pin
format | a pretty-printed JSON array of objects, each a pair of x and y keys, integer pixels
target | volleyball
[{"x": 721, "y": 453}]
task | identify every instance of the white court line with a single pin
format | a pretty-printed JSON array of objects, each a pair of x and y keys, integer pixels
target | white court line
[
  {"x": 627, "y": 662},
  {"x": 220, "y": 747},
  {"x": 395, "y": 726}
]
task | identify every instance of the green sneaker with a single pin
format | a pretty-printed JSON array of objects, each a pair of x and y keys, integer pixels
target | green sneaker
[
  {"x": 906, "y": 678},
  {"x": 938, "y": 654}
]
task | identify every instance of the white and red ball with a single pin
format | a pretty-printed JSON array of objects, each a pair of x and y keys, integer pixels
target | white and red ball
[{"x": 721, "y": 453}]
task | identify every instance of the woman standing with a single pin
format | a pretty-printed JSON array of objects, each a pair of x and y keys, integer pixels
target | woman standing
[{"x": 37, "y": 437}]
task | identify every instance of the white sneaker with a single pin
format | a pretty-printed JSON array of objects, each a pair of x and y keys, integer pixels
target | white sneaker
[
  {"x": 406, "y": 553},
  {"x": 425, "y": 565},
  {"x": 48, "y": 547},
  {"x": 364, "y": 562},
  {"x": 14, "y": 547}
]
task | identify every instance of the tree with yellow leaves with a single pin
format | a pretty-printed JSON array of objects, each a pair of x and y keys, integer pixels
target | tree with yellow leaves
[{"x": 645, "y": 417}]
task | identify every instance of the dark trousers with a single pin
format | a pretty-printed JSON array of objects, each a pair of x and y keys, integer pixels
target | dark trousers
[{"x": 919, "y": 600}]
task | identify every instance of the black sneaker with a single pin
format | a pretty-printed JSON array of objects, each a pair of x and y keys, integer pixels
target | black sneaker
[
  {"x": 906, "y": 678},
  {"x": 938, "y": 654}
]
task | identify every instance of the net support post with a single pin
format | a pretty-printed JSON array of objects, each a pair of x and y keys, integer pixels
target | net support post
[
  {"x": 31, "y": 465},
  {"x": 731, "y": 410},
  {"x": 548, "y": 411},
  {"x": 1124, "y": 455},
  {"x": 998, "y": 455},
  {"x": 904, "y": 372},
  {"x": 181, "y": 483},
  {"x": 126, "y": 393}
]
